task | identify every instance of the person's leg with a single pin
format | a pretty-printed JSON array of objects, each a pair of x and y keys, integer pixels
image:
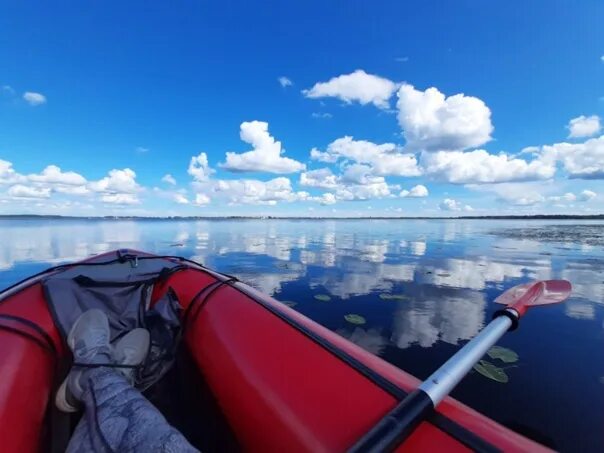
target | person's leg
[{"x": 118, "y": 418}]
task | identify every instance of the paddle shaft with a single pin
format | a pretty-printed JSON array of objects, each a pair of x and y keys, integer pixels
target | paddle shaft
[{"x": 409, "y": 413}]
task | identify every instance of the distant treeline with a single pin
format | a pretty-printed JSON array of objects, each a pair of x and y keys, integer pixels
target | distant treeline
[{"x": 488, "y": 217}]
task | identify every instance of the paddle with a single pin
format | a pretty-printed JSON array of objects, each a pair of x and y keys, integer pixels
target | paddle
[{"x": 399, "y": 423}]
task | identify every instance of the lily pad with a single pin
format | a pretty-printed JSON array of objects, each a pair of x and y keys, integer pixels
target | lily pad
[
  {"x": 490, "y": 371},
  {"x": 355, "y": 319},
  {"x": 322, "y": 297},
  {"x": 385, "y": 296},
  {"x": 504, "y": 354},
  {"x": 289, "y": 303}
]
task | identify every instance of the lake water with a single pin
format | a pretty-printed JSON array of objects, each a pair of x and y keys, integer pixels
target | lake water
[{"x": 443, "y": 274}]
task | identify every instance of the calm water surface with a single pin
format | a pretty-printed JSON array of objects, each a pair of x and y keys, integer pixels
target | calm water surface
[{"x": 446, "y": 274}]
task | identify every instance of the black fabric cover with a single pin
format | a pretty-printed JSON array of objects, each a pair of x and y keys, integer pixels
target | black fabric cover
[{"x": 121, "y": 284}]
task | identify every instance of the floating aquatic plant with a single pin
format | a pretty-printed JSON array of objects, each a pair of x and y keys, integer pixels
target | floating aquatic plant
[
  {"x": 355, "y": 319},
  {"x": 384, "y": 296},
  {"x": 504, "y": 354},
  {"x": 491, "y": 371}
]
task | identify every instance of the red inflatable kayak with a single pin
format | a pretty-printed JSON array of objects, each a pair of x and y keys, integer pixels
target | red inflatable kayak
[{"x": 259, "y": 376}]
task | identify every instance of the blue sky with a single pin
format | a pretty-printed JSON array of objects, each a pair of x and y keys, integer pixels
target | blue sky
[{"x": 408, "y": 107}]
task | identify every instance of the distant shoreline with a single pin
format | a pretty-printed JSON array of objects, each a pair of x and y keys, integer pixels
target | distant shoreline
[{"x": 189, "y": 218}]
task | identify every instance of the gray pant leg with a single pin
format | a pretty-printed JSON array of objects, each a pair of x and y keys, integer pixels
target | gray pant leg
[{"x": 118, "y": 418}]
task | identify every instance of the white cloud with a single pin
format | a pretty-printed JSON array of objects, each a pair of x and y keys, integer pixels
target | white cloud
[
  {"x": 355, "y": 87},
  {"x": 179, "y": 198},
  {"x": 199, "y": 168},
  {"x": 266, "y": 155},
  {"x": 321, "y": 178},
  {"x": 22, "y": 191},
  {"x": 71, "y": 190},
  {"x": 519, "y": 193},
  {"x": 326, "y": 199},
  {"x": 201, "y": 199},
  {"x": 402, "y": 59},
  {"x": 418, "y": 191},
  {"x": 568, "y": 197},
  {"x": 54, "y": 175},
  {"x": 117, "y": 182},
  {"x": 374, "y": 188},
  {"x": 584, "y": 126},
  {"x": 321, "y": 156},
  {"x": 285, "y": 82},
  {"x": 169, "y": 179},
  {"x": 386, "y": 159},
  {"x": 120, "y": 198},
  {"x": 323, "y": 115},
  {"x": 8, "y": 175},
  {"x": 252, "y": 191},
  {"x": 141, "y": 150},
  {"x": 360, "y": 174},
  {"x": 581, "y": 160},
  {"x": 448, "y": 204},
  {"x": 587, "y": 195},
  {"x": 34, "y": 98},
  {"x": 431, "y": 121},
  {"x": 480, "y": 167},
  {"x": 357, "y": 182}
]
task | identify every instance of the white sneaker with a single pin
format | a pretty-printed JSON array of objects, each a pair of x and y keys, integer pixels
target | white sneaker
[
  {"x": 132, "y": 349},
  {"x": 89, "y": 341}
]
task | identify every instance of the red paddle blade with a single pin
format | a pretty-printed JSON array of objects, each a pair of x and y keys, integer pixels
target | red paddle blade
[{"x": 531, "y": 294}]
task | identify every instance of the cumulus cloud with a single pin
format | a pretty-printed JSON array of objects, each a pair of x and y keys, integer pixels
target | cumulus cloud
[
  {"x": 199, "y": 168},
  {"x": 584, "y": 126},
  {"x": 202, "y": 199},
  {"x": 519, "y": 193},
  {"x": 252, "y": 191},
  {"x": 432, "y": 122},
  {"x": 386, "y": 159},
  {"x": 355, "y": 87},
  {"x": 587, "y": 195},
  {"x": 357, "y": 182},
  {"x": 54, "y": 175},
  {"x": 375, "y": 187},
  {"x": 581, "y": 160},
  {"x": 117, "y": 182},
  {"x": 8, "y": 175},
  {"x": 180, "y": 198},
  {"x": 266, "y": 155},
  {"x": 322, "y": 178},
  {"x": 22, "y": 191},
  {"x": 418, "y": 191},
  {"x": 33, "y": 98},
  {"x": 169, "y": 179},
  {"x": 285, "y": 82},
  {"x": 326, "y": 199},
  {"x": 449, "y": 204},
  {"x": 568, "y": 197},
  {"x": 480, "y": 167},
  {"x": 120, "y": 198}
]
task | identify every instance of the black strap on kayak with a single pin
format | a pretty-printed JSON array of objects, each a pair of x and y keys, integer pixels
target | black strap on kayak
[{"x": 45, "y": 341}]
